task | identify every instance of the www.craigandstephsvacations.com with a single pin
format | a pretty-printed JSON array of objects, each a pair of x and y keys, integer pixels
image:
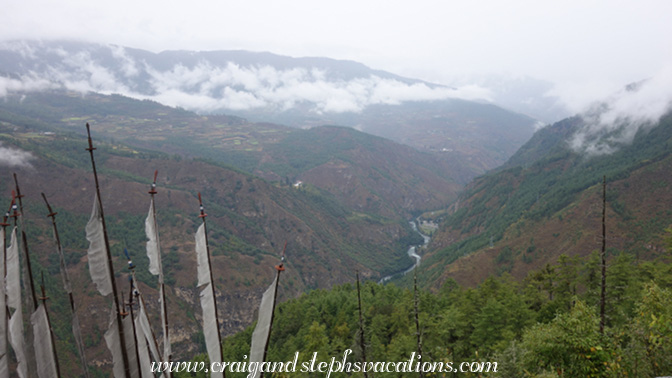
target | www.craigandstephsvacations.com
[{"x": 413, "y": 365}]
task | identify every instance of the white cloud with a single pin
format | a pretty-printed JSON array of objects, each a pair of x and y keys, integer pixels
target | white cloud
[
  {"x": 206, "y": 88},
  {"x": 128, "y": 66},
  {"x": 245, "y": 88},
  {"x": 26, "y": 50},
  {"x": 25, "y": 83},
  {"x": 84, "y": 74},
  {"x": 616, "y": 121},
  {"x": 14, "y": 157},
  {"x": 239, "y": 100}
]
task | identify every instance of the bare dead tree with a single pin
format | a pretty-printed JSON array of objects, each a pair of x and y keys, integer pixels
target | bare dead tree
[{"x": 603, "y": 255}]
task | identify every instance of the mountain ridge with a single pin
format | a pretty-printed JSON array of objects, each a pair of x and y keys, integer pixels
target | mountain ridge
[
  {"x": 276, "y": 153},
  {"x": 298, "y": 92},
  {"x": 545, "y": 202},
  {"x": 249, "y": 219}
]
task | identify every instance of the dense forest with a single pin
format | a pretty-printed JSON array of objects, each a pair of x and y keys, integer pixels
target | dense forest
[{"x": 544, "y": 326}]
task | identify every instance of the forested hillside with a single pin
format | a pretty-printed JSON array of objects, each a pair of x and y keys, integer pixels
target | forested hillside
[
  {"x": 511, "y": 275},
  {"x": 547, "y": 200},
  {"x": 546, "y": 325},
  {"x": 249, "y": 221},
  {"x": 368, "y": 173}
]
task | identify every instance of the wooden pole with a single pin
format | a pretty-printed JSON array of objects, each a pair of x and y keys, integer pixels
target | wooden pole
[
  {"x": 278, "y": 268},
  {"x": 132, "y": 294},
  {"x": 162, "y": 288},
  {"x": 31, "y": 297},
  {"x": 51, "y": 331},
  {"x": 5, "y": 317},
  {"x": 120, "y": 324},
  {"x": 203, "y": 215},
  {"x": 31, "y": 285},
  {"x": 66, "y": 283}
]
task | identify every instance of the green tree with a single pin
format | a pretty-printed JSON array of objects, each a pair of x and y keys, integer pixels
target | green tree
[
  {"x": 571, "y": 345},
  {"x": 649, "y": 351}
]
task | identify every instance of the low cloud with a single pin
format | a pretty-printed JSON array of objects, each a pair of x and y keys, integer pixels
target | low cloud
[
  {"x": 14, "y": 157},
  {"x": 234, "y": 87},
  {"x": 24, "y": 84},
  {"x": 128, "y": 66},
  {"x": 615, "y": 122},
  {"x": 204, "y": 87},
  {"x": 83, "y": 74}
]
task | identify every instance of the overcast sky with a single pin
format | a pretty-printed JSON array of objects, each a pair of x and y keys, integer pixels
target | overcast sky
[{"x": 587, "y": 47}]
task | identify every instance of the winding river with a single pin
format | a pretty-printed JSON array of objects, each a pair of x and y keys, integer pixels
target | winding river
[{"x": 411, "y": 253}]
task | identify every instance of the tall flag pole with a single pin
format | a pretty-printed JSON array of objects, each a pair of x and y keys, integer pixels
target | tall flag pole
[
  {"x": 76, "y": 329},
  {"x": 44, "y": 362},
  {"x": 33, "y": 297},
  {"x": 213, "y": 341},
  {"x": 45, "y": 349},
  {"x": 144, "y": 360},
  {"x": 102, "y": 273},
  {"x": 130, "y": 337},
  {"x": 134, "y": 335},
  {"x": 145, "y": 338},
  {"x": 28, "y": 282},
  {"x": 4, "y": 337},
  {"x": 262, "y": 332},
  {"x": 156, "y": 268},
  {"x": 13, "y": 282}
]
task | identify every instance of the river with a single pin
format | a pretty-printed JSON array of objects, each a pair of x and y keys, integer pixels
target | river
[{"x": 411, "y": 253}]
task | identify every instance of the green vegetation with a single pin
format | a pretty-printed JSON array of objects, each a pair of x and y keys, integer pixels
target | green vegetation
[
  {"x": 306, "y": 149},
  {"x": 537, "y": 191},
  {"x": 544, "y": 326}
]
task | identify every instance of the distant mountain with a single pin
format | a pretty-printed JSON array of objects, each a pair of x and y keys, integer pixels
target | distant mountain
[
  {"x": 264, "y": 87},
  {"x": 472, "y": 137},
  {"x": 546, "y": 200},
  {"x": 131, "y": 67},
  {"x": 368, "y": 173},
  {"x": 249, "y": 221}
]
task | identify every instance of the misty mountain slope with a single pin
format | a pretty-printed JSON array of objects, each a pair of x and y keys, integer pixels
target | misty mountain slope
[
  {"x": 521, "y": 94},
  {"x": 125, "y": 63},
  {"x": 525, "y": 215},
  {"x": 207, "y": 81},
  {"x": 384, "y": 177},
  {"x": 249, "y": 221},
  {"x": 545, "y": 142},
  {"x": 264, "y": 87}
]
